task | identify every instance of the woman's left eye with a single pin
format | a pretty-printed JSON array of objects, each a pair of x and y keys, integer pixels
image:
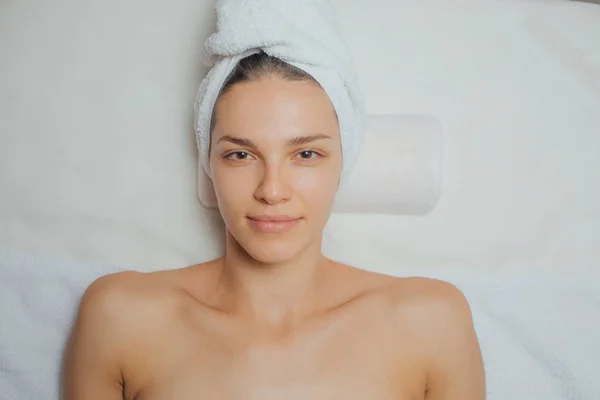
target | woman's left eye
[{"x": 308, "y": 154}]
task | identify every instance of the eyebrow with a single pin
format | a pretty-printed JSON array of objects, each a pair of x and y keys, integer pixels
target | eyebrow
[{"x": 297, "y": 141}]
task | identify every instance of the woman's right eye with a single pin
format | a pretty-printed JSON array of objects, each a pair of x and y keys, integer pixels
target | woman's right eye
[{"x": 238, "y": 156}]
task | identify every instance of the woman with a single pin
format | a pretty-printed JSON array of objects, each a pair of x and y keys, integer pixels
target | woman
[{"x": 273, "y": 318}]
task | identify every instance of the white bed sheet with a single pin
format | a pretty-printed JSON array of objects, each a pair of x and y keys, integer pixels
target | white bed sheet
[{"x": 538, "y": 333}]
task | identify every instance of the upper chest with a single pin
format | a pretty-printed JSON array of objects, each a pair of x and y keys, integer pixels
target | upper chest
[{"x": 351, "y": 356}]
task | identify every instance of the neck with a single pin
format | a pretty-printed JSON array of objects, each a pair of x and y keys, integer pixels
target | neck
[{"x": 276, "y": 294}]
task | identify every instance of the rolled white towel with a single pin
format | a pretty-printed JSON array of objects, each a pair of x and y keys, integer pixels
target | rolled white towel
[{"x": 303, "y": 33}]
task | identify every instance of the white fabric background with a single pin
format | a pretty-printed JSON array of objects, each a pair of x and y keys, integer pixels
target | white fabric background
[{"x": 97, "y": 155}]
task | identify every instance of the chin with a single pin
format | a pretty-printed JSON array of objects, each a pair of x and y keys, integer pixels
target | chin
[{"x": 272, "y": 250}]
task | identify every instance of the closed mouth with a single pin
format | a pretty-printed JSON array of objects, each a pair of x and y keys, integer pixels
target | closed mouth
[
  {"x": 273, "y": 224},
  {"x": 272, "y": 218}
]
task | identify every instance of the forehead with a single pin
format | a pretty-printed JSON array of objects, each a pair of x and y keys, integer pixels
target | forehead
[{"x": 272, "y": 108}]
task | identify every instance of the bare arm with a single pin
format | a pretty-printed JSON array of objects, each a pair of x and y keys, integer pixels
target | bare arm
[
  {"x": 91, "y": 365},
  {"x": 456, "y": 366}
]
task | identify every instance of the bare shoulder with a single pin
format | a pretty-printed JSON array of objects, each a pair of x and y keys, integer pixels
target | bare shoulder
[
  {"x": 431, "y": 306},
  {"x": 430, "y": 323},
  {"x": 120, "y": 308},
  {"x": 108, "y": 302},
  {"x": 117, "y": 315},
  {"x": 424, "y": 304},
  {"x": 411, "y": 293},
  {"x": 439, "y": 317},
  {"x": 434, "y": 294},
  {"x": 406, "y": 294},
  {"x": 113, "y": 294},
  {"x": 112, "y": 287},
  {"x": 129, "y": 295}
]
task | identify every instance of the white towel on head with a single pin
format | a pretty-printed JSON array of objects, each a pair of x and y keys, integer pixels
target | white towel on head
[{"x": 303, "y": 33}]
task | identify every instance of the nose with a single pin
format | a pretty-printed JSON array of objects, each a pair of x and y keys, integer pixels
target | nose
[{"x": 273, "y": 187}]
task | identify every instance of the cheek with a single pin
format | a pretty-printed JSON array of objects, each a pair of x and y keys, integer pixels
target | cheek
[
  {"x": 317, "y": 187},
  {"x": 233, "y": 189}
]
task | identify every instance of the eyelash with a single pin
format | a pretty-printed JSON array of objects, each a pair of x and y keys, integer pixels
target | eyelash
[
  {"x": 228, "y": 156},
  {"x": 315, "y": 153}
]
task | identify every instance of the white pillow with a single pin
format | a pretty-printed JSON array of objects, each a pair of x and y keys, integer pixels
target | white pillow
[{"x": 398, "y": 170}]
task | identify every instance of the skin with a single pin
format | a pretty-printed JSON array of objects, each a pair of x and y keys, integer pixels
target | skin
[{"x": 273, "y": 318}]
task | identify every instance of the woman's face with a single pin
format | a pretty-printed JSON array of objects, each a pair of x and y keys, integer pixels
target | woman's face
[{"x": 275, "y": 162}]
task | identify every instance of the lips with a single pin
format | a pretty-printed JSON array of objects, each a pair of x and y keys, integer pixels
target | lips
[{"x": 272, "y": 223}]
